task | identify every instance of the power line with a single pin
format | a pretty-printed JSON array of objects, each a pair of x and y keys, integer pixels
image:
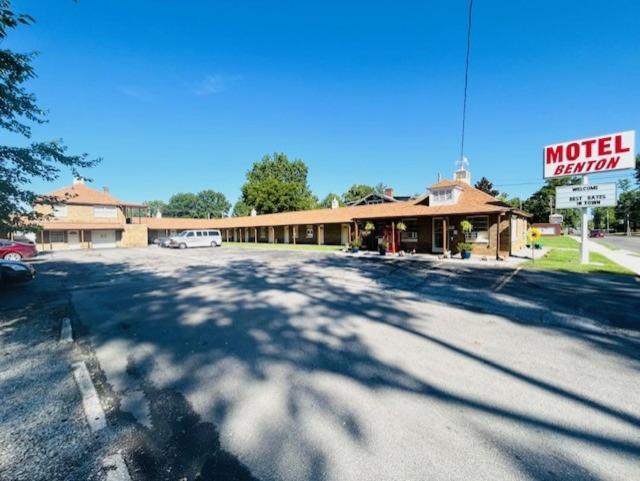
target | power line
[{"x": 466, "y": 81}]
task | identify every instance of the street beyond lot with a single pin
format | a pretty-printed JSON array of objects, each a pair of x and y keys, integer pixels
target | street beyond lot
[
  {"x": 316, "y": 366},
  {"x": 629, "y": 243}
]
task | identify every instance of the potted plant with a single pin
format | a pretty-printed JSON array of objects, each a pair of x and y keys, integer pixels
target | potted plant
[
  {"x": 369, "y": 227},
  {"x": 382, "y": 248},
  {"x": 401, "y": 226},
  {"x": 354, "y": 246},
  {"x": 465, "y": 249},
  {"x": 466, "y": 227}
]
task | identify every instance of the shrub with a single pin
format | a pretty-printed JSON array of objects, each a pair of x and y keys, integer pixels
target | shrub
[{"x": 465, "y": 246}]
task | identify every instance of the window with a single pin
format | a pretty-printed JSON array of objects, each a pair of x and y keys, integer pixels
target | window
[
  {"x": 480, "y": 231},
  {"x": 411, "y": 233},
  {"x": 190, "y": 234},
  {"x": 199, "y": 234},
  {"x": 56, "y": 236},
  {"x": 309, "y": 232},
  {"x": 105, "y": 212},
  {"x": 60, "y": 210}
]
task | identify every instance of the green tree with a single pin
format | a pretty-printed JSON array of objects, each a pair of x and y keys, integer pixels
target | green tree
[
  {"x": 485, "y": 185},
  {"x": 276, "y": 184},
  {"x": 155, "y": 206},
  {"x": 212, "y": 204},
  {"x": 542, "y": 202},
  {"x": 638, "y": 168},
  {"x": 357, "y": 192},
  {"x": 19, "y": 166},
  {"x": 603, "y": 217},
  {"x": 240, "y": 209},
  {"x": 183, "y": 205},
  {"x": 628, "y": 209},
  {"x": 326, "y": 202}
]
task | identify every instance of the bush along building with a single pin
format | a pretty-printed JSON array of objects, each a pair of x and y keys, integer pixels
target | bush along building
[{"x": 430, "y": 223}]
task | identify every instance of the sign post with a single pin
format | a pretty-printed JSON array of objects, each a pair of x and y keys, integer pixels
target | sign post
[
  {"x": 581, "y": 157},
  {"x": 584, "y": 246}
]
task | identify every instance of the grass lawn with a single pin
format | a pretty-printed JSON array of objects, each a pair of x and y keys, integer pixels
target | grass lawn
[
  {"x": 290, "y": 247},
  {"x": 563, "y": 242},
  {"x": 568, "y": 260}
]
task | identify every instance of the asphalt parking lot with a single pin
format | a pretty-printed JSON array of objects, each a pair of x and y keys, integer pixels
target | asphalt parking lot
[{"x": 320, "y": 367}]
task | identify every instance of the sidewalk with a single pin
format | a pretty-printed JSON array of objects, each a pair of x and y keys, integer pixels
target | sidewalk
[{"x": 620, "y": 256}]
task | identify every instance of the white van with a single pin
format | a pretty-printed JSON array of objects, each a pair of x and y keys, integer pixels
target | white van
[{"x": 196, "y": 238}]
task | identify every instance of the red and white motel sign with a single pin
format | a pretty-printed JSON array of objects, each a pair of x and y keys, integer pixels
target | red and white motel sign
[{"x": 592, "y": 155}]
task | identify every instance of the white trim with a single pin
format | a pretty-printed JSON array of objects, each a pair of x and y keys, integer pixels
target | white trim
[{"x": 433, "y": 235}]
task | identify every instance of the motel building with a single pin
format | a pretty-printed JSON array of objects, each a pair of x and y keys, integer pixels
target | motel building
[{"x": 88, "y": 218}]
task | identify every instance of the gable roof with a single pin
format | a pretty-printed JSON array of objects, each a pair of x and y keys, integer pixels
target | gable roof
[
  {"x": 471, "y": 201},
  {"x": 363, "y": 200},
  {"x": 81, "y": 194}
]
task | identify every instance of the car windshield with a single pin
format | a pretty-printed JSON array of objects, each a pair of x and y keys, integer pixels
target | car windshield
[{"x": 182, "y": 234}]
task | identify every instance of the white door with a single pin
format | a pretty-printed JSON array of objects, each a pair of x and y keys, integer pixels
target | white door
[
  {"x": 73, "y": 239},
  {"x": 344, "y": 237},
  {"x": 437, "y": 235},
  {"x": 103, "y": 239}
]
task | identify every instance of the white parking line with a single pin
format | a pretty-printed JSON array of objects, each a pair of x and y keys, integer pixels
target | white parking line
[
  {"x": 66, "y": 334},
  {"x": 90, "y": 400},
  {"x": 116, "y": 468},
  {"x": 506, "y": 280}
]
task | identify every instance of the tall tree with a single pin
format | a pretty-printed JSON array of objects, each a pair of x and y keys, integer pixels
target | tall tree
[
  {"x": 638, "y": 168},
  {"x": 155, "y": 206},
  {"x": 19, "y": 166},
  {"x": 326, "y": 202},
  {"x": 240, "y": 209},
  {"x": 357, "y": 192},
  {"x": 276, "y": 184},
  {"x": 184, "y": 204},
  {"x": 485, "y": 185},
  {"x": 212, "y": 204}
]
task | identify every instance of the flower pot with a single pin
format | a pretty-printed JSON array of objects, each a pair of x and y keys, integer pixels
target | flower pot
[
  {"x": 466, "y": 254},
  {"x": 537, "y": 246}
]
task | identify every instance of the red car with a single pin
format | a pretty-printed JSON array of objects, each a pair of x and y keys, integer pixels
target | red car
[{"x": 15, "y": 251}]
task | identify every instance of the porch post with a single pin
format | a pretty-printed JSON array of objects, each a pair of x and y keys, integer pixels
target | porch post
[
  {"x": 444, "y": 235},
  {"x": 498, "y": 237},
  {"x": 393, "y": 237},
  {"x": 81, "y": 238}
]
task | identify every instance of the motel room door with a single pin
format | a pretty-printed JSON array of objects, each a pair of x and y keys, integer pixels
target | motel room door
[
  {"x": 73, "y": 239},
  {"x": 437, "y": 235}
]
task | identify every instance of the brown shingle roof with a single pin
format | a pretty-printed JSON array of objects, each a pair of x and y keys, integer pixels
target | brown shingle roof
[
  {"x": 471, "y": 201},
  {"x": 81, "y": 194},
  {"x": 54, "y": 225}
]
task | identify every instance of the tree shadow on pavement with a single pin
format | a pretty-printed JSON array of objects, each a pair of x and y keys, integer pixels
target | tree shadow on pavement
[{"x": 276, "y": 323}]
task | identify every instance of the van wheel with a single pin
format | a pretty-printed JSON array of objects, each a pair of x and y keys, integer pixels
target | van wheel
[
  {"x": 214, "y": 244},
  {"x": 183, "y": 246}
]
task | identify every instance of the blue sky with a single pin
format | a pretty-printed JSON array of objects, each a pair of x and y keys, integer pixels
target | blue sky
[{"x": 183, "y": 96}]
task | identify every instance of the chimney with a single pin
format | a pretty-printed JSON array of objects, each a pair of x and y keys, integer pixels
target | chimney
[
  {"x": 388, "y": 192},
  {"x": 253, "y": 212},
  {"x": 334, "y": 203},
  {"x": 105, "y": 189},
  {"x": 78, "y": 180}
]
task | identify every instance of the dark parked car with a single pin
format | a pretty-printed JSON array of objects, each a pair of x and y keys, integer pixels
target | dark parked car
[
  {"x": 15, "y": 251},
  {"x": 12, "y": 272},
  {"x": 596, "y": 233},
  {"x": 162, "y": 241}
]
